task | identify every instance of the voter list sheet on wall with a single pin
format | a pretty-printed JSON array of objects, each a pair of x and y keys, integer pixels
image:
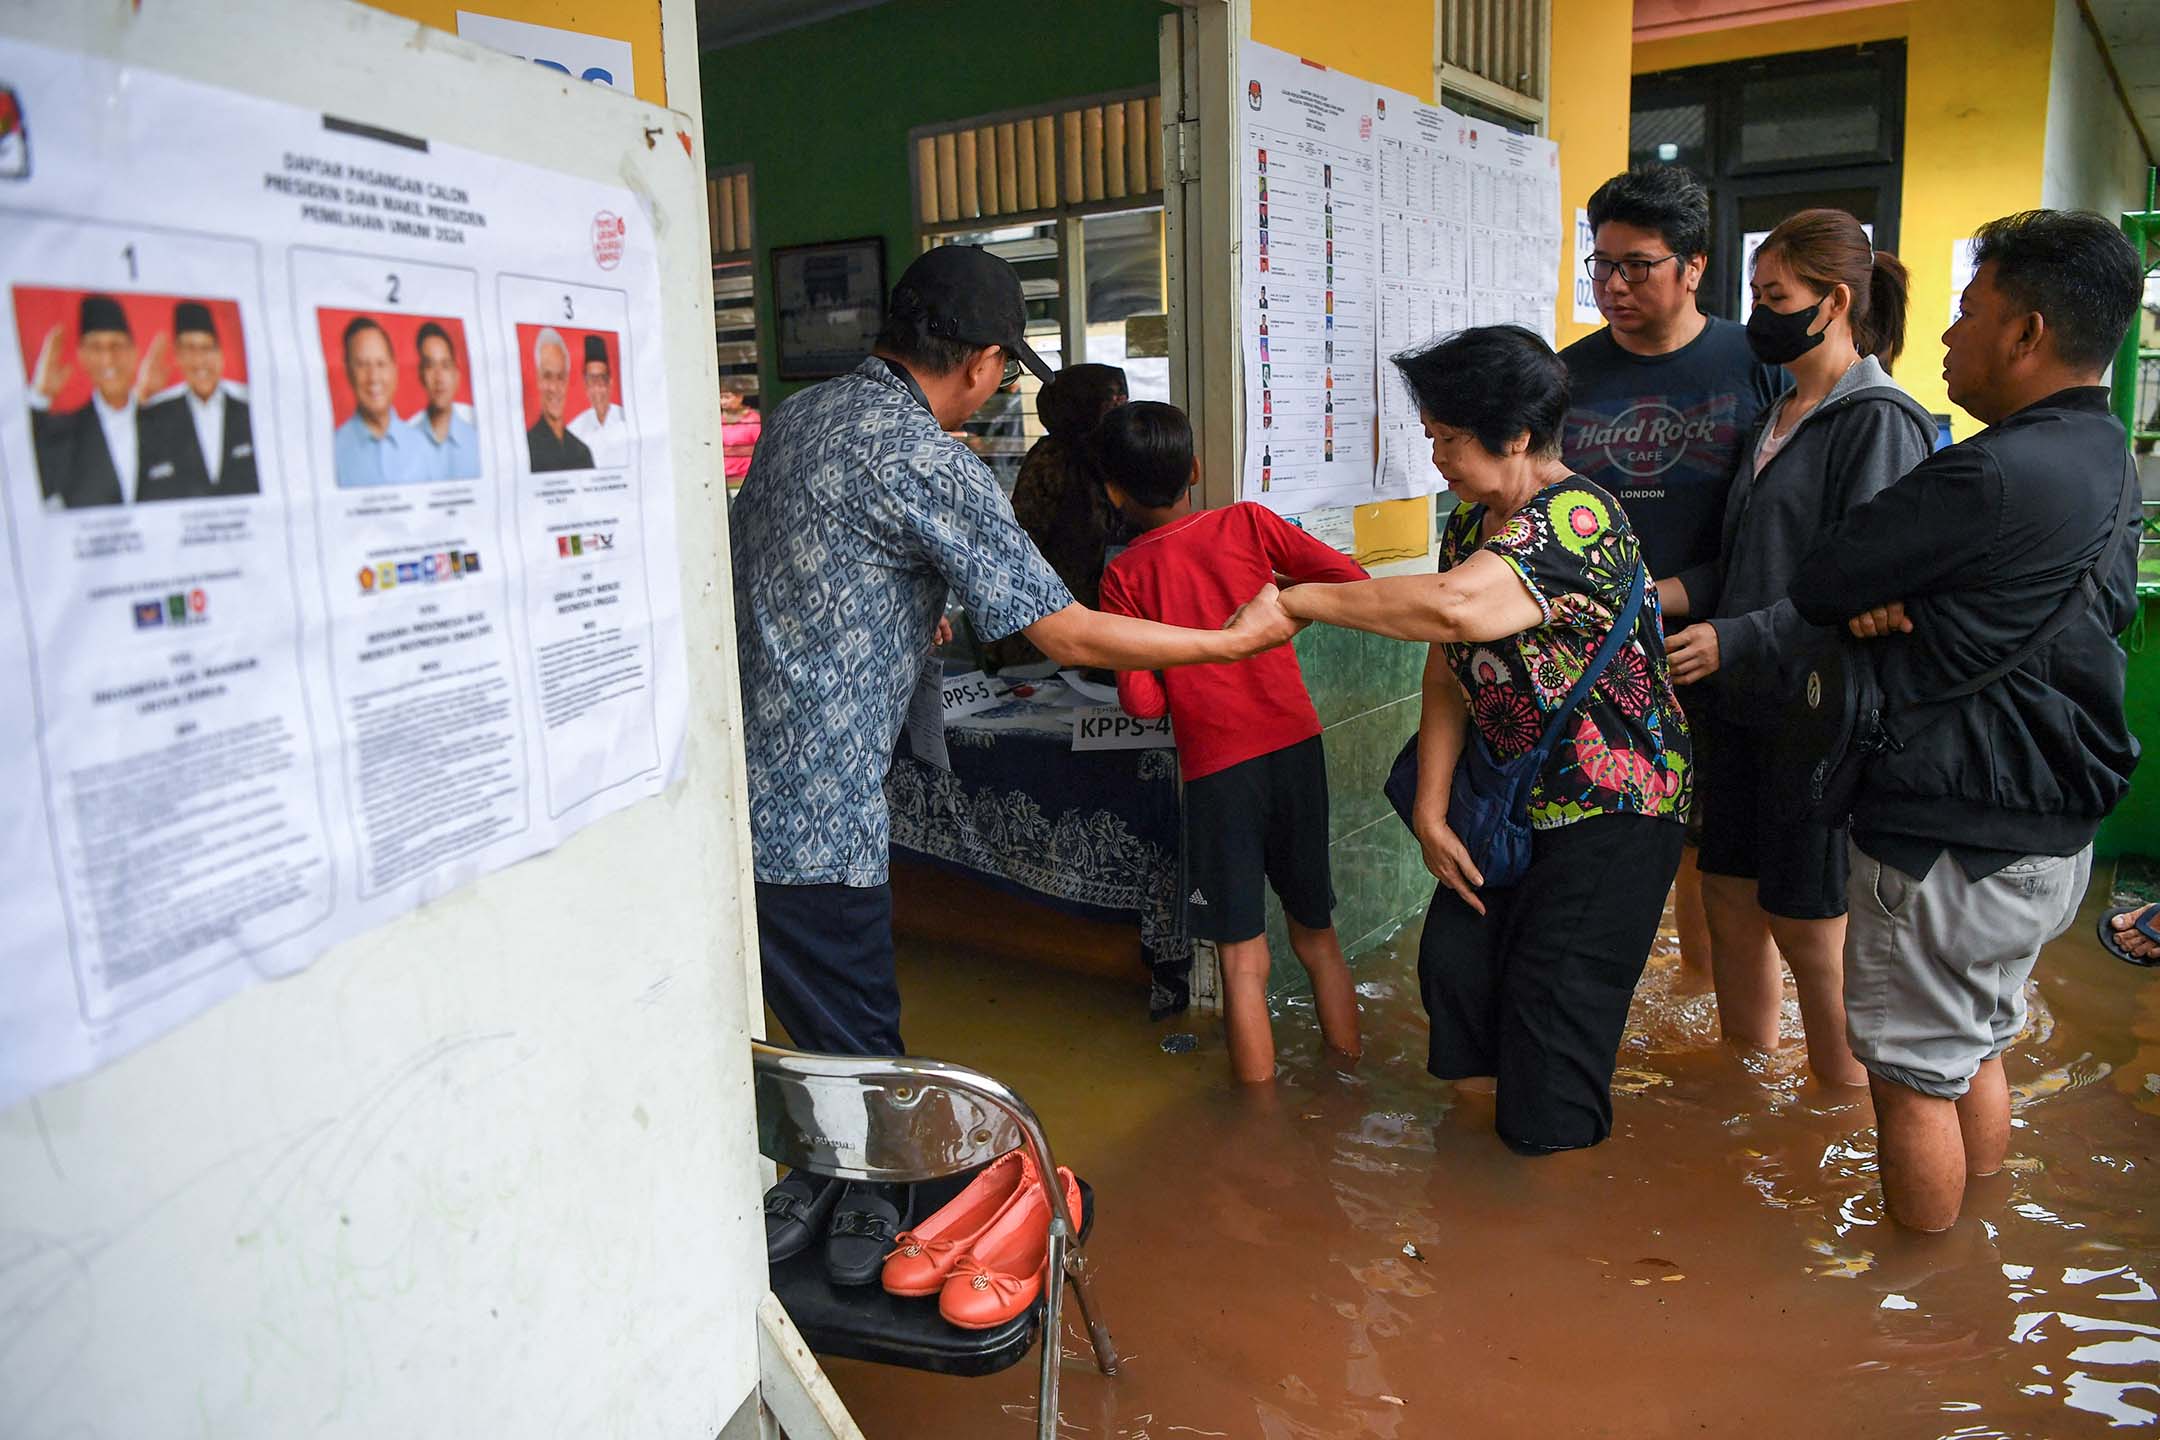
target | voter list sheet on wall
[
  {"x": 340, "y": 560},
  {"x": 1373, "y": 223}
]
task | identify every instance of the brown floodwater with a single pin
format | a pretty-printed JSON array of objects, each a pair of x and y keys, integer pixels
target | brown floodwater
[{"x": 1357, "y": 1255}]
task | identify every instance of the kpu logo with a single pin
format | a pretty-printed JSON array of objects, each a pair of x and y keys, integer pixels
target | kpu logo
[
  {"x": 1252, "y": 94},
  {"x": 14, "y": 136}
]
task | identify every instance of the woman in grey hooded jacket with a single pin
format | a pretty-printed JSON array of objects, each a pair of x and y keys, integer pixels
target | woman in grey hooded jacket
[{"x": 1830, "y": 308}]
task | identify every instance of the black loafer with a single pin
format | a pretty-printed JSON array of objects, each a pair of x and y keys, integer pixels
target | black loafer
[
  {"x": 865, "y": 1222},
  {"x": 795, "y": 1211}
]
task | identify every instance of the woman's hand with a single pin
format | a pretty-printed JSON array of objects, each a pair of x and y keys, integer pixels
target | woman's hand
[
  {"x": 1262, "y": 623},
  {"x": 1692, "y": 654},
  {"x": 1446, "y": 858}
]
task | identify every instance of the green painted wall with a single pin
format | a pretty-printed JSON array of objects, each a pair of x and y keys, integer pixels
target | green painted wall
[{"x": 823, "y": 112}]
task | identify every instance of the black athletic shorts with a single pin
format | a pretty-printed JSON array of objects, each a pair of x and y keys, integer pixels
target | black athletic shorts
[
  {"x": 1264, "y": 816},
  {"x": 1749, "y": 791}
]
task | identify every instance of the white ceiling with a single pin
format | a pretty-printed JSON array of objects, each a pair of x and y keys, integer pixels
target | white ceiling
[
  {"x": 730, "y": 22},
  {"x": 2132, "y": 31}
]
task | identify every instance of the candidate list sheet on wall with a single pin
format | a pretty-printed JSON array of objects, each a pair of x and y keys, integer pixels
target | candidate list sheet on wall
[
  {"x": 1309, "y": 195},
  {"x": 340, "y": 552}
]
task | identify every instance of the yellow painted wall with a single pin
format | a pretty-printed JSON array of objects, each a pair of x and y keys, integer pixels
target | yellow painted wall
[
  {"x": 1389, "y": 42},
  {"x": 1976, "y": 99},
  {"x": 636, "y": 21},
  {"x": 1587, "y": 118}
]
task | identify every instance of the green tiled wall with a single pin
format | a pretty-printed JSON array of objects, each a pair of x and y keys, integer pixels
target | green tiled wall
[{"x": 1366, "y": 690}]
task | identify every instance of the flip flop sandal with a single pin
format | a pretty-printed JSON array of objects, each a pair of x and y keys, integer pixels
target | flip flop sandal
[{"x": 2148, "y": 925}]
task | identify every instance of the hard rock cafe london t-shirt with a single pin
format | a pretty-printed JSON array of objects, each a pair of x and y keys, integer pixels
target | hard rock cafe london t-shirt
[{"x": 1663, "y": 433}]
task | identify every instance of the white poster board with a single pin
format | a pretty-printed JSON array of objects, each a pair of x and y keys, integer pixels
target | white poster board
[
  {"x": 340, "y": 564},
  {"x": 1373, "y": 223},
  {"x": 484, "y": 1169}
]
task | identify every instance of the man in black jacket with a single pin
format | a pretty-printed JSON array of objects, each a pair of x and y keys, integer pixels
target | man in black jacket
[{"x": 1972, "y": 841}]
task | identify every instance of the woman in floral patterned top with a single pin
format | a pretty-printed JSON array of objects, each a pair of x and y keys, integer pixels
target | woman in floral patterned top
[{"x": 1531, "y": 984}]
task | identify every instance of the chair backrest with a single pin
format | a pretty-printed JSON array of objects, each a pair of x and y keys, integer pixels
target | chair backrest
[{"x": 885, "y": 1118}]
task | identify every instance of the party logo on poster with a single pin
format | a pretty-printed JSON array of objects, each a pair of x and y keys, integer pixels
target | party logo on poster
[
  {"x": 14, "y": 136},
  {"x": 182, "y": 607},
  {"x": 608, "y": 230},
  {"x": 576, "y": 546}
]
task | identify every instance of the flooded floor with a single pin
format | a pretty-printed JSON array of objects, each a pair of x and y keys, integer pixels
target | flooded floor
[{"x": 1357, "y": 1255}]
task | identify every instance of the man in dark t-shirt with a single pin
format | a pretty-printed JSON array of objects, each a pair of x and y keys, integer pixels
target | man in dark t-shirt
[{"x": 1662, "y": 404}]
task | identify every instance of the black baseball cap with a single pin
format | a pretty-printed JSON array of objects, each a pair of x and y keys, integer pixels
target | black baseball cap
[{"x": 965, "y": 293}]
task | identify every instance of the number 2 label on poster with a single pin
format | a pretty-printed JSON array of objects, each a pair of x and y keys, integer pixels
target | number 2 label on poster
[{"x": 406, "y": 488}]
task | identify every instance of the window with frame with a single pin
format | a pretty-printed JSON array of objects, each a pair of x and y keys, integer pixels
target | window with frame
[
  {"x": 1071, "y": 195},
  {"x": 1776, "y": 134},
  {"x": 734, "y": 273}
]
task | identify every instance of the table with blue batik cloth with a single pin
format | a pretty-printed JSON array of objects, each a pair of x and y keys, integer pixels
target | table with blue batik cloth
[{"x": 1092, "y": 833}]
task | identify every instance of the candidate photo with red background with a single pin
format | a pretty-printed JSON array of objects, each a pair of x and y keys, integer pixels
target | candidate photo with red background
[
  {"x": 575, "y": 402},
  {"x": 40, "y": 311},
  {"x": 409, "y": 398},
  {"x": 142, "y": 352}
]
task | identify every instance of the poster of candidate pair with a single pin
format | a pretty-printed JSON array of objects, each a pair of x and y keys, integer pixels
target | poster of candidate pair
[{"x": 337, "y": 537}]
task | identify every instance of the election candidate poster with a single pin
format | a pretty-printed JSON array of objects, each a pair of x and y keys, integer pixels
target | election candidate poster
[{"x": 339, "y": 535}]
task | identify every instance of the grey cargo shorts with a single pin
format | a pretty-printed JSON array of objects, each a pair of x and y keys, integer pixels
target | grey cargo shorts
[{"x": 1935, "y": 969}]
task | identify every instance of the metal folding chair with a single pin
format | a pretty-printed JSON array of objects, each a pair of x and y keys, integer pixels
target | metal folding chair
[{"x": 902, "y": 1120}]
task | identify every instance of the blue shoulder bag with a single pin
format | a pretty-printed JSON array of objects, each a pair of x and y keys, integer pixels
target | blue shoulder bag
[{"x": 1485, "y": 807}]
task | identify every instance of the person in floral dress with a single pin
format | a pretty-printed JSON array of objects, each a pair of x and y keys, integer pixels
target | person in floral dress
[{"x": 1530, "y": 984}]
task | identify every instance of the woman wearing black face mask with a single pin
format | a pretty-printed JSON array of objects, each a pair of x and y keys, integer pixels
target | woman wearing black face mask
[{"x": 1830, "y": 309}]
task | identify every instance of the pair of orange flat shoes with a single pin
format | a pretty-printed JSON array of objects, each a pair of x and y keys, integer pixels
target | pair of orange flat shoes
[{"x": 986, "y": 1254}]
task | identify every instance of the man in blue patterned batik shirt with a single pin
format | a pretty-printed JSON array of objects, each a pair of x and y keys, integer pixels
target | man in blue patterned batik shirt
[{"x": 859, "y": 515}]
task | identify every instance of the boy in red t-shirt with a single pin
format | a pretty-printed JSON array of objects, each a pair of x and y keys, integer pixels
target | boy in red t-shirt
[{"x": 1248, "y": 739}]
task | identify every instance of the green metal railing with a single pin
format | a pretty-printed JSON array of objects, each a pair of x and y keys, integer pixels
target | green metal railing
[{"x": 2137, "y": 379}]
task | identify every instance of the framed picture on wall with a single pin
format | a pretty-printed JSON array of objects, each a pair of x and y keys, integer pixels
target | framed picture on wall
[{"x": 828, "y": 303}]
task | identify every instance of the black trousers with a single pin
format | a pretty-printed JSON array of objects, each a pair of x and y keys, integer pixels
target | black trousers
[
  {"x": 1535, "y": 991},
  {"x": 827, "y": 956}
]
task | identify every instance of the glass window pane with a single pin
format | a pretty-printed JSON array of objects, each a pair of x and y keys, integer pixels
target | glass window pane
[
  {"x": 1003, "y": 429},
  {"x": 1676, "y": 134},
  {"x": 1811, "y": 116},
  {"x": 1125, "y": 262}
]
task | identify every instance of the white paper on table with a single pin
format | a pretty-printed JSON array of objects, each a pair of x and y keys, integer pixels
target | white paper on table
[{"x": 1088, "y": 689}]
